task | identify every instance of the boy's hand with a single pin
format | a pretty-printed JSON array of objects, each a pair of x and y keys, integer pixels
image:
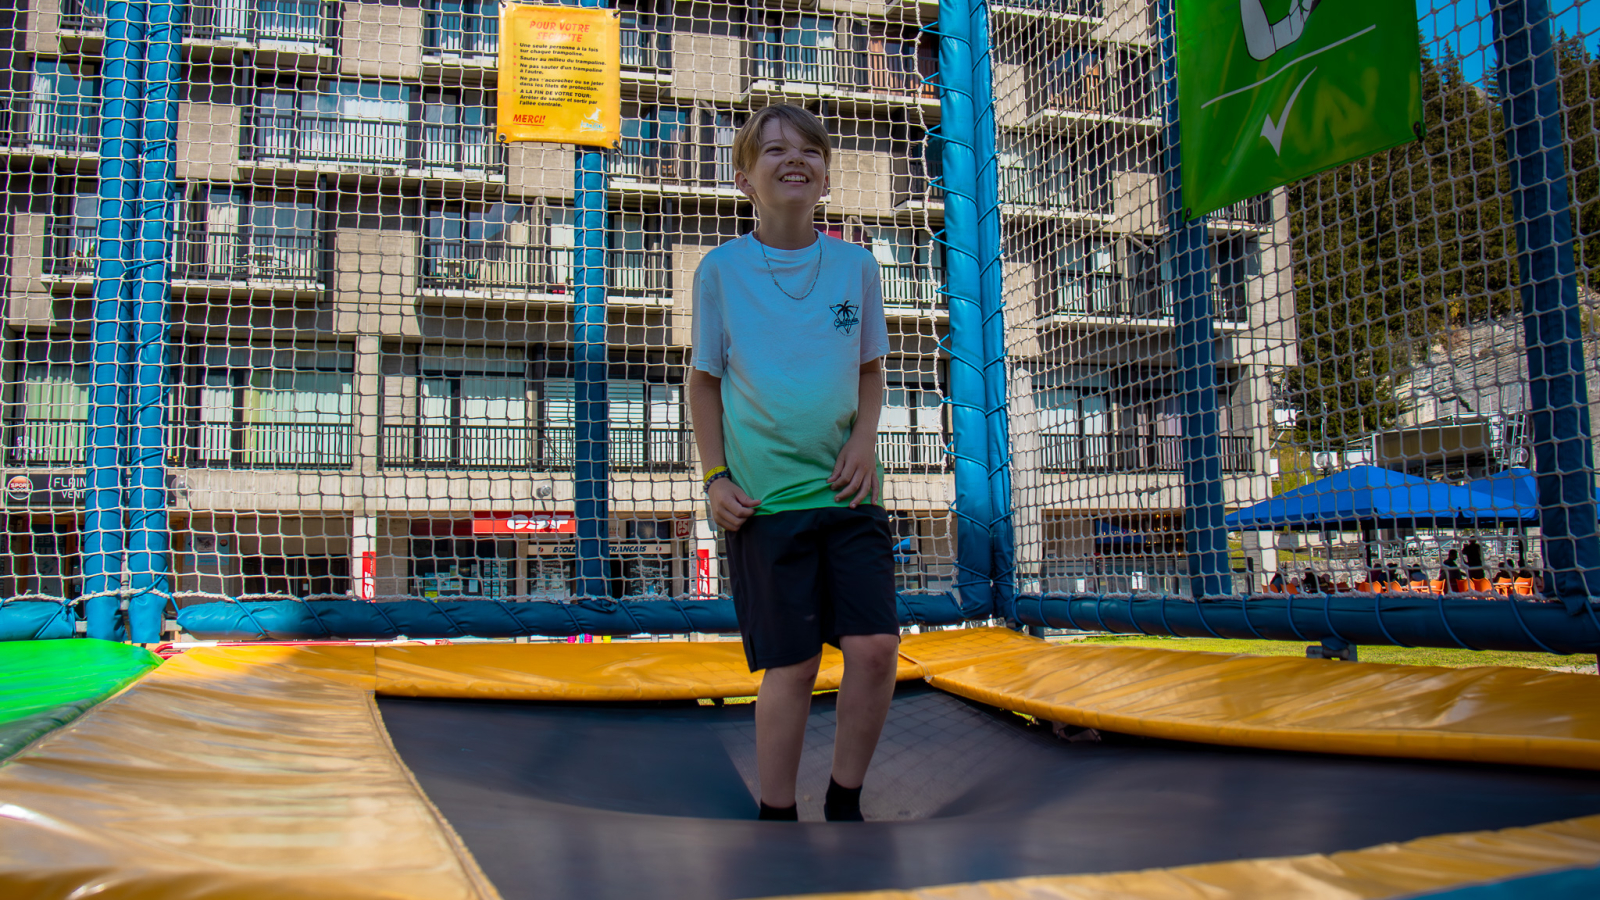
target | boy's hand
[
  {"x": 730, "y": 507},
  {"x": 856, "y": 472}
]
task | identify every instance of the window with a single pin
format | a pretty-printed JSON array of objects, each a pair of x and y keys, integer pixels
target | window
[
  {"x": 74, "y": 234},
  {"x": 561, "y": 242},
  {"x": 458, "y": 130},
  {"x": 469, "y": 246},
  {"x": 911, "y": 426},
  {"x": 724, "y": 125},
  {"x": 792, "y": 48},
  {"x": 911, "y": 265},
  {"x": 64, "y": 113},
  {"x": 637, "y": 264},
  {"x": 646, "y": 39},
  {"x": 1237, "y": 260},
  {"x": 1085, "y": 282},
  {"x": 645, "y": 422},
  {"x": 251, "y": 234},
  {"x": 889, "y": 58},
  {"x": 52, "y": 406},
  {"x": 657, "y": 144},
  {"x": 468, "y": 27},
  {"x": 472, "y": 408},
  {"x": 276, "y": 407},
  {"x": 333, "y": 121},
  {"x": 445, "y": 567},
  {"x": 276, "y": 21},
  {"x": 1072, "y": 407}
]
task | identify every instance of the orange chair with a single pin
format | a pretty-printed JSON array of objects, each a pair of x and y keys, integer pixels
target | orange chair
[
  {"x": 1365, "y": 587},
  {"x": 1502, "y": 586},
  {"x": 1524, "y": 586},
  {"x": 1291, "y": 588},
  {"x": 1460, "y": 587},
  {"x": 1271, "y": 589},
  {"x": 1398, "y": 587},
  {"x": 1421, "y": 587},
  {"x": 1342, "y": 587},
  {"x": 1436, "y": 587}
]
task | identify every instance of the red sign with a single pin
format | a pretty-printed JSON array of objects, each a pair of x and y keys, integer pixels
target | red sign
[
  {"x": 536, "y": 523},
  {"x": 702, "y": 580},
  {"x": 683, "y": 527},
  {"x": 369, "y": 575}
]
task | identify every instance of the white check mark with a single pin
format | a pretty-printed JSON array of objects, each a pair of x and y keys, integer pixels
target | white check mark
[{"x": 1273, "y": 131}]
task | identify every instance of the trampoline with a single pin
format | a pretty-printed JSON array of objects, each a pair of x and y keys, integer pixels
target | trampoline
[{"x": 597, "y": 771}]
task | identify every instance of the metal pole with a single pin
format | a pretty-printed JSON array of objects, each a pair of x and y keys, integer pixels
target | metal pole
[
  {"x": 590, "y": 473},
  {"x": 1205, "y": 536},
  {"x": 957, "y": 124},
  {"x": 120, "y": 111},
  {"x": 1558, "y": 412},
  {"x": 148, "y": 540},
  {"x": 991, "y": 302}
]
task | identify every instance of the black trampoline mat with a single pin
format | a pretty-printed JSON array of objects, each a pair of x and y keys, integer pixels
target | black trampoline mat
[{"x": 561, "y": 800}]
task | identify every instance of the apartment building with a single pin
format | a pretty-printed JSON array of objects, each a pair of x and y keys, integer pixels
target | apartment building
[{"x": 371, "y": 324}]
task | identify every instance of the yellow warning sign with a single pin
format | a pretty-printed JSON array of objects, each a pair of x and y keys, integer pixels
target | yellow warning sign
[{"x": 560, "y": 75}]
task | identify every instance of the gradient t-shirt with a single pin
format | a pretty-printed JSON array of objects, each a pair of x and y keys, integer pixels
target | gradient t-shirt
[{"x": 790, "y": 368}]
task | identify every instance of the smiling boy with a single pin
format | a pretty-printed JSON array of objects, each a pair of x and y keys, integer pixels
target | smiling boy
[{"x": 786, "y": 390}]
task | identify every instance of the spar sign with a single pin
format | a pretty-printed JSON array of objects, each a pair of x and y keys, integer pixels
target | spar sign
[
  {"x": 521, "y": 523},
  {"x": 1270, "y": 91}
]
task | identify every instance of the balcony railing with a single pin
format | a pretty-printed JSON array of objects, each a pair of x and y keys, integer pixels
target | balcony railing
[
  {"x": 1108, "y": 296},
  {"x": 1255, "y": 210},
  {"x": 1091, "y": 8},
  {"x": 912, "y": 451},
  {"x": 461, "y": 148},
  {"x": 463, "y": 33},
  {"x": 647, "y": 48},
  {"x": 1133, "y": 453},
  {"x": 63, "y": 125},
  {"x": 463, "y": 446},
  {"x": 902, "y": 75},
  {"x": 45, "y": 442},
  {"x": 1055, "y": 191},
  {"x": 483, "y": 266},
  {"x": 309, "y": 22},
  {"x": 247, "y": 255},
  {"x": 912, "y": 287},
  {"x": 299, "y": 136},
  {"x": 264, "y": 445}
]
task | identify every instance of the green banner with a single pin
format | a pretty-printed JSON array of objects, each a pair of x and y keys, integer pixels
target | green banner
[{"x": 1274, "y": 90}]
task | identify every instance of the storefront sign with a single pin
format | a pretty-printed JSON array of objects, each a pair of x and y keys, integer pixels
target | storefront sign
[
  {"x": 683, "y": 527},
  {"x": 46, "y": 490},
  {"x": 560, "y": 75},
  {"x": 369, "y": 575},
  {"x": 641, "y": 549},
  {"x": 537, "y": 523}
]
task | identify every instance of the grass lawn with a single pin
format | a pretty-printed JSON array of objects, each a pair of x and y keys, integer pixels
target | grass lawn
[{"x": 1417, "y": 656}]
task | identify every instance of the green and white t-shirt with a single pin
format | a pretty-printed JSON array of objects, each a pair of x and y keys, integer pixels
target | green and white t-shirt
[{"x": 790, "y": 368}]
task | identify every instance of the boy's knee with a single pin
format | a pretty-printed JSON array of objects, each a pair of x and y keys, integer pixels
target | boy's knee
[{"x": 879, "y": 653}]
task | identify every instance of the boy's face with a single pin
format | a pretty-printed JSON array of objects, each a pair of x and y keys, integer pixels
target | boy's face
[{"x": 789, "y": 173}]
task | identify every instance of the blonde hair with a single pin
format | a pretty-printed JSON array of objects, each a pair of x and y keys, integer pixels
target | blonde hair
[{"x": 747, "y": 143}]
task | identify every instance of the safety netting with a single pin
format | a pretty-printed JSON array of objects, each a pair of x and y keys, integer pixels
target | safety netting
[{"x": 300, "y": 346}]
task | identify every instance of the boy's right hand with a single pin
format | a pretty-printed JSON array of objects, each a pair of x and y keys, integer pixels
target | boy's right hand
[{"x": 730, "y": 507}]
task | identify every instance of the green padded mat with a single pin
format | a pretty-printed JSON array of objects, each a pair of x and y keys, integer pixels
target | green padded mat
[{"x": 46, "y": 684}]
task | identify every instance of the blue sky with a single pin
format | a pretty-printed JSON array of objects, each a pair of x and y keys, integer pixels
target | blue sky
[{"x": 1465, "y": 26}]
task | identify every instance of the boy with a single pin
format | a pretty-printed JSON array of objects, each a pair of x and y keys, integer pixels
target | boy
[{"x": 785, "y": 394}]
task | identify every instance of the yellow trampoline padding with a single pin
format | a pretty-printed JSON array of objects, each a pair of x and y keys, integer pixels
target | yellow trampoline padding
[
  {"x": 1484, "y": 714},
  {"x": 256, "y": 772},
  {"x": 1373, "y": 873},
  {"x": 590, "y": 672}
]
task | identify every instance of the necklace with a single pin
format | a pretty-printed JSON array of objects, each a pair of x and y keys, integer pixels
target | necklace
[{"x": 815, "y": 271}]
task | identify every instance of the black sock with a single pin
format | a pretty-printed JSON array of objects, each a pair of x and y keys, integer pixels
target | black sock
[
  {"x": 842, "y": 804},
  {"x": 779, "y": 813}
]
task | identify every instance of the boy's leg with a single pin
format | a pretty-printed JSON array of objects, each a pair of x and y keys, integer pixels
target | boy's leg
[
  {"x": 870, "y": 661},
  {"x": 782, "y": 705}
]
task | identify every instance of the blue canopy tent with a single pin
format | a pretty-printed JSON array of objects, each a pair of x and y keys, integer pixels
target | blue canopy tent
[
  {"x": 1366, "y": 498},
  {"x": 1516, "y": 485}
]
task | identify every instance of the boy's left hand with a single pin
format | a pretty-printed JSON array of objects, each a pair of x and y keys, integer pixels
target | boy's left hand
[{"x": 856, "y": 472}]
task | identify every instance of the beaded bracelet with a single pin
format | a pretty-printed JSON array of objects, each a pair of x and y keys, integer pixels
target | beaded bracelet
[
  {"x": 713, "y": 474},
  {"x": 719, "y": 473}
]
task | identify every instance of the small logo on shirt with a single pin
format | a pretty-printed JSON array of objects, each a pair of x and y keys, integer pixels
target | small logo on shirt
[{"x": 845, "y": 317}]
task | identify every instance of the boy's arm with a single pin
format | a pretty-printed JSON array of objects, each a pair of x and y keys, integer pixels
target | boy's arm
[
  {"x": 856, "y": 470},
  {"x": 730, "y": 506}
]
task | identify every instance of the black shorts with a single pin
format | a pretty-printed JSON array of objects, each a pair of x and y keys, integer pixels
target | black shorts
[{"x": 808, "y": 576}]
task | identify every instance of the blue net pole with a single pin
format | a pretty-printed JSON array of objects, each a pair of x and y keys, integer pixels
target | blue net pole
[
  {"x": 148, "y": 566},
  {"x": 991, "y": 294},
  {"x": 120, "y": 111},
  {"x": 1205, "y": 537},
  {"x": 590, "y": 475},
  {"x": 1552, "y": 329},
  {"x": 957, "y": 120}
]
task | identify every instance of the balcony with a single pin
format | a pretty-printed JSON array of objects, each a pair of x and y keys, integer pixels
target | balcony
[
  {"x": 475, "y": 36},
  {"x": 248, "y": 256},
  {"x": 302, "y": 23},
  {"x": 479, "y": 266},
  {"x": 1034, "y": 190},
  {"x": 1098, "y": 296},
  {"x": 463, "y": 447},
  {"x": 45, "y": 443},
  {"x": 912, "y": 451},
  {"x": 825, "y": 71},
  {"x": 1255, "y": 210},
  {"x": 912, "y": 288},
  {"x": 54, "y": 126},
  {"x": 1089, "y": 9},
  {"x": 72, "y": 250},
  {"x": 300, "y": 137},
  {"x": 464, "y": 149},
  {"x": 1095, "y": 453},
  {"x": 264, "y": 445}
]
